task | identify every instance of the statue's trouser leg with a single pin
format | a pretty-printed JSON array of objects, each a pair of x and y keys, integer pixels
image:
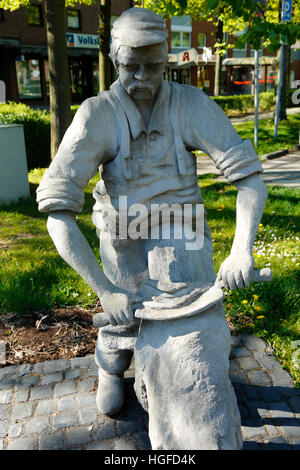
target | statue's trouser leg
[{"x": 181, "y": 369}]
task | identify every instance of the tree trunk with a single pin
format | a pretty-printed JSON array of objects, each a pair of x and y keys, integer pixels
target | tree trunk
[
  {"x": 60, "y": 96},
  {"x": 104, "y": 33},
  {"x": 131, "y": 3},
  {"x": 218, "y": 66}
]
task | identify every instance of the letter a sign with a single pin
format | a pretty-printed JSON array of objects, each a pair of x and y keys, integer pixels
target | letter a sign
[{"x": 287, "y": 6}]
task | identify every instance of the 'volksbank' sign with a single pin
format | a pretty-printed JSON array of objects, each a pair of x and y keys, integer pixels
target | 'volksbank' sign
[{"x": 90, "y": 41}]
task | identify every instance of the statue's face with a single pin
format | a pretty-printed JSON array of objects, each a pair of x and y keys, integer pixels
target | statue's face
[{"x": 141, "y": 70}]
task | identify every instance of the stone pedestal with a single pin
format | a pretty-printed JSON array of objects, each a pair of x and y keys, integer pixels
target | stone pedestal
[{"x": 13, "y": 165}]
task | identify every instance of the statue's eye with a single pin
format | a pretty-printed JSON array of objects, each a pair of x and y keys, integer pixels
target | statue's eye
[
  {"x": 153, "y": 67},
  {"x": 129, "y": 67}
]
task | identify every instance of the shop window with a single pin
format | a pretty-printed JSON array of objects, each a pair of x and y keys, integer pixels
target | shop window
[
  {"x": 35, "y": 15},
  {"x": 74, "y": 19},
  {"x": 181, "y": 39},
  {"x": 29, "y": 79},
  {"x": 201, "y": 40}
]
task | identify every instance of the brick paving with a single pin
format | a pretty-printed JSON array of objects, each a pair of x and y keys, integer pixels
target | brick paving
[{"x": 51, "y": 405}]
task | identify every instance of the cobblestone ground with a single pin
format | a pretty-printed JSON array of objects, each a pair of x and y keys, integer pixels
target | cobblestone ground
[{"x": 51, "y": 405}]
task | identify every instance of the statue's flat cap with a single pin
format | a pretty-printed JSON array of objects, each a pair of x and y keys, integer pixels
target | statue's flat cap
[{"x": 138, "y": 27}]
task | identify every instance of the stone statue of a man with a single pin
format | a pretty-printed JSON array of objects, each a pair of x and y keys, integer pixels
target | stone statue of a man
[{"x": 142, "y": 133}]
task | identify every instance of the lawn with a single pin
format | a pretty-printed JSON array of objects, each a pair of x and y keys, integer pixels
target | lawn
[{"x": 288, "y": 134}]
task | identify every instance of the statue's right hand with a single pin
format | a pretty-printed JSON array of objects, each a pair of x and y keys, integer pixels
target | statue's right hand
[{"x": 118, "y": 307}]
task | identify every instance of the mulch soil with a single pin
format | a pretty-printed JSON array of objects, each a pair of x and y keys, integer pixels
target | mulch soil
[{"x": 60, "y": 333}]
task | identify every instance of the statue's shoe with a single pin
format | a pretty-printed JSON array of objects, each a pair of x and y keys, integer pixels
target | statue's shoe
[{"x": 110, "y": 393}]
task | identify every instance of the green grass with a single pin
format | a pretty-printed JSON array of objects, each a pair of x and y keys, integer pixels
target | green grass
[{"x": 288, "y": 134}]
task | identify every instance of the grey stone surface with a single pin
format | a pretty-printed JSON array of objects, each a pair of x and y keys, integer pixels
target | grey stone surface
[
  {"x": 42, "y": 392},
  {"x": 54, "y": 441},
  {"x": 72, "y": 374},
  {"x": 258, "y": 377},
  {"x": 65, "y": 420},
  {"x": 86, "y": 385},
  {"x": 21, "y": 396},
  {"x": 64, "y": 388},
  {"x": 50, "y": 367},
  {"x": 5, "y": 396},
  {"x": 269, "y": 416},
  {"x": 52, "y": 378}
]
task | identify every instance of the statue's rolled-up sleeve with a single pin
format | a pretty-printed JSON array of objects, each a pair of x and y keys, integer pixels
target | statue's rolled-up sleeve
[
  {"x": 87, "y": 143},
  {"x": 207, "y": 128}
]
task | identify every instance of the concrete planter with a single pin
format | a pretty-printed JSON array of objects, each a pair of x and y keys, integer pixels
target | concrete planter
[{"x": 13, "y": 165}]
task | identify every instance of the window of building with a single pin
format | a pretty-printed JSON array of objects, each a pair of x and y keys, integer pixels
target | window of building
[
  {"x": 35, "y": 15},
  {"x": 29, "y": 79},
  {"x": 74, "y": 19},
  {"x": 201, "y": 40},
  {"x": 1, "y": 14},
  {"x": 181, "y": 29},
  {"x": 181, "y": 39}
]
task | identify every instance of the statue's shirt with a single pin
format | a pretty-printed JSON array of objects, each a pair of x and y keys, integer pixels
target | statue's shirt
[{"x": 148, "y": 166}]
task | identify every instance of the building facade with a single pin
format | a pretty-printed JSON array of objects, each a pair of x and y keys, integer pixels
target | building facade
[{"x": 24, "y": 64}]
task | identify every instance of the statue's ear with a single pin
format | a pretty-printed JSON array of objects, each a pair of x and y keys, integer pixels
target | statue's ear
[{"x": 115, "y": 62}]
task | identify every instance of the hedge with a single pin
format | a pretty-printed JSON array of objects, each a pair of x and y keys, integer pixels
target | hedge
[
  {"x": 37, "y": 123},
  {"x": 245, "y": 103}
]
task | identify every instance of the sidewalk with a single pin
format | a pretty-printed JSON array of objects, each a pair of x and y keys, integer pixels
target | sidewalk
[
  {"x": 51, "y": 405},
  {"x": 264, "y": 115},
  {"x": 282, "y": 171}
]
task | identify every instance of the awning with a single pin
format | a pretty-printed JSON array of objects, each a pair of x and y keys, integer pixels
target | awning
[
  {"x": 10, "y": 42},
  {"x": 264, "y": 60},
  {"x": 41, "y": 50}
]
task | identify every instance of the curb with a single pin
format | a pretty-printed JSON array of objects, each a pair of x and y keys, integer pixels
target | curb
[{"x": 278, "y": 153}]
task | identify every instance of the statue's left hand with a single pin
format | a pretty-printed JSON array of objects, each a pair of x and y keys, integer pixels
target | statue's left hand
[{"x": 235, "y": 271}]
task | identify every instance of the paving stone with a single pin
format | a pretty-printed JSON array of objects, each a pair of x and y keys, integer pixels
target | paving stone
[
  {"x": 281, "y": 378},
  {"x": 93, "y": 372},
  {"x": 290, "y": 428},
  {"x": 83, "y": 362},
  {"x": 124, "y": 444},
  {"x": 52, "y": 378},
  {"x": 278, "y": 443},
  {"x": 104, "y": 431},
  {"x": 143, "y": 440},
  {"x": 86, "y": 399},
  {"x": 247, "y": 363},
  {"x": 88, "y": 415},
  {"x": 256, "y": 410},
  {"x": 235, "y": 341},
  {"x": 240, "y": 352},
  {"x": 98, "y": 446},
  {"x": 53, "y": 441},
  {"x": 252, "y": 393},
  {"x": 15, "y": 431},
  {"x": 86, "y": 385},
  {"x": 296, "y": 444},
  {"x": 280, "y": 410},
  {"x": 270, "y": 393},
  {"x": 251, "y": 445},
  {"x": 66, "y": 403},
  {"x": 251, "y": 431},
  {"x": 244, "y": 412},
  {"x": 23, "y": 444},
  {"x": 27, "y": 382},
  {"x": 21, "y": 396},
  {"x": 37, "y": 425},
  {"x": 42, "y": 392},
  {"x": 64, "y": 388},
  {"x": 233, "y": 366},
  {"x": 5, "y": 396},
  {"x": 46, "y": 407},
  {"x": 4, "y": 412},
  {"x": 294, "y": 403},
  {"x": 238, "y": 377},
  {"x": 49, "y": 367},
  {"x": 15, "y": 370},
  {"x": 258, "y": 377},
  {"x": 77, "y": 437},
  {"x": 3, "y": 428},
  {"x": 72, "y": 374},
  {"x": 65, "y": 420},
  {"x": 271, "y": 430},
  {"x": 22, "y": 411},
  {"x": 127, "y": 426},
  {"x": 7, "y": 382},
  {"x": 253, "y": 343}
]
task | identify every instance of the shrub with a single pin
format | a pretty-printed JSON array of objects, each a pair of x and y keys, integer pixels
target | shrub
[
  {"x": 245, "y": 103},
  {"x": 36, "y": 131}
]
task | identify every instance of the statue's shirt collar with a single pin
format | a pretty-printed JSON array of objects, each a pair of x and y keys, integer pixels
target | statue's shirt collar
[{"x": 160, "y": 112}]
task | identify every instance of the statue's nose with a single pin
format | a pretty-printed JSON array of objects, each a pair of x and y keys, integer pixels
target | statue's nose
[{"x": 140, "y": 74}]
